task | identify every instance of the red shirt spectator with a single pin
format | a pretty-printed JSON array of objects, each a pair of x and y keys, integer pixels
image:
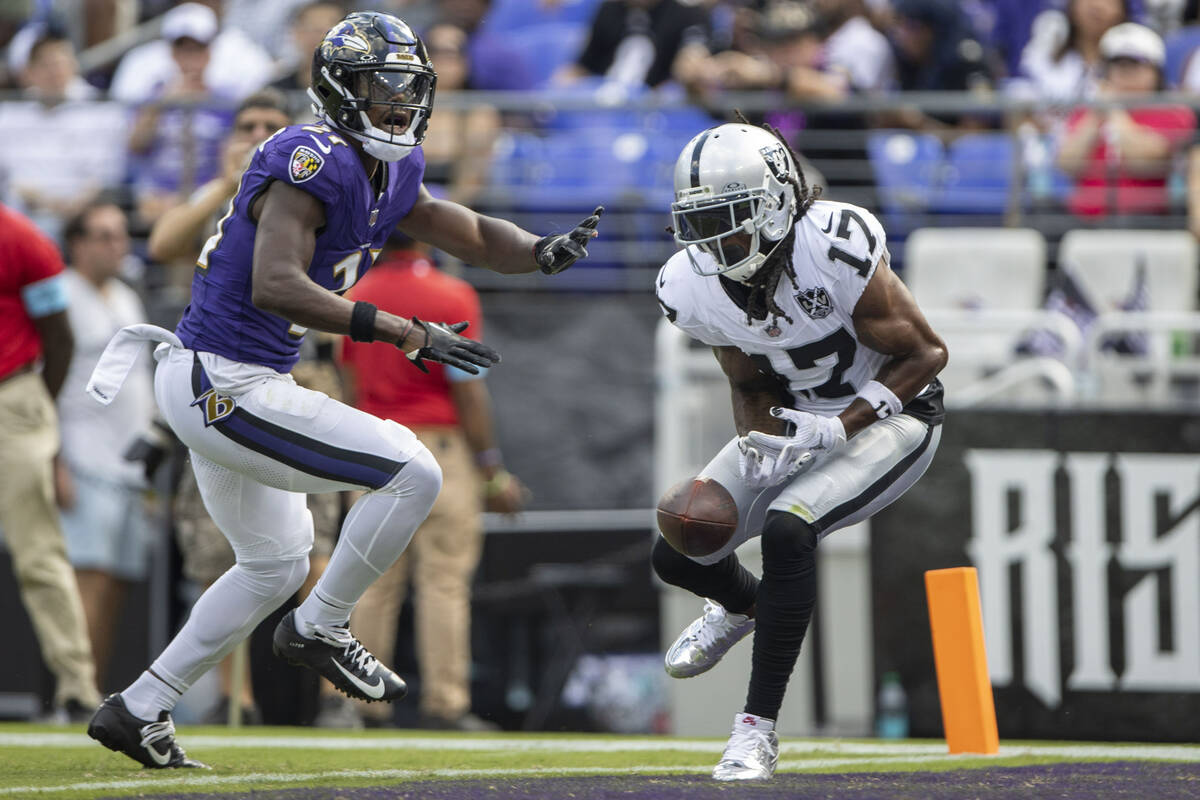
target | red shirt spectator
[
  {"x": 1121, "y": 156},
  {"x": 29, "y": 287},
  {"x": 1107, "y": 185},
  {"x": 407, "y": 284}
]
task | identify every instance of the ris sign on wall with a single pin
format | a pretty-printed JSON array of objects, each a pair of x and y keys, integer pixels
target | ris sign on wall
[{"x": 1085, "y": 530}]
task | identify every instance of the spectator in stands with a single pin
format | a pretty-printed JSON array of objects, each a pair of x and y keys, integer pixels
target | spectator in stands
[
  {"x": 450, "y": 412},
  {"x": 180, "y": 231},
  {"x": 178, "y": 235},
  {"x": 100, "y": 489},
  {"x": 238, "y": 65},
  {"x": 1062, "y": 60},
  {"x": 61, "y": 148},
  {"x": 936, "y": 51},
  {"x": 1121, "y": 157},
  {"x": 786, "y": 53},
  {"x": 310, "y": 23},
  {"x": 458, "y": 147},
  {"x": 636, "y": 43},
  {"x": 176, "y": 139},
  {"x": 267, "y": 22},
  {"x": 43, "y": 58},
  {"x": 34, "y": 328},
  {"x": 854, "y": 48}
]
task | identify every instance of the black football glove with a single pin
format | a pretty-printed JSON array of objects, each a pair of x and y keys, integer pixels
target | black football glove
[
  {"x": 444, "y": 345},
  {"x": 556, "y": 252}
]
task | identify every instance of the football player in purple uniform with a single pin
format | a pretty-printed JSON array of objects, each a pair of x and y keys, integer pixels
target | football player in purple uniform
[{"x": 313, "y": 209}]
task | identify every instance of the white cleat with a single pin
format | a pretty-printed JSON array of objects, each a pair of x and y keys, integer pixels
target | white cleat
[
  {"x": 706, "y": 641},
  {"x": 752, "y": 751}
]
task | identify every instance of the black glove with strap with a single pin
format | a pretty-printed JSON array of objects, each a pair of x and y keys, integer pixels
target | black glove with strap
[
  {"x": 444, "y": 345},
  {"x": 556, "y": 252}
]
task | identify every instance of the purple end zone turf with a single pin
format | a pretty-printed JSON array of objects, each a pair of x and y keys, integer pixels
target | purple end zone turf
[{"x": 1126, "y": 780}]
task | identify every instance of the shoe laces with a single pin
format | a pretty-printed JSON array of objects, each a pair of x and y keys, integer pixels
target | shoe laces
[
  {"x": 352, "y": 650},
  {"x": 745, "y": 745},
  {"x": 157, "y": 731},
  {"x": 714, "y": 625}
]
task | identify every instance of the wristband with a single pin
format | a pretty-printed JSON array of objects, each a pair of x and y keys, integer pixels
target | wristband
[
  {"x": 408, "y": 326},
  {"x": 362, "y": 322},
  {"x": 488, "y": 458},
  {"x": 882, "y": 399}
]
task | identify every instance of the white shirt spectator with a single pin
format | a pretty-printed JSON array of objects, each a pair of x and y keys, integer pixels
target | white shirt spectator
[
  {"x": 95, "y": 437},
  {"x": 1046, "y": 77},
  {"x": 863, "y": 54},
  {"x": 267, "y": 21},
  {"x": 238, "y": 67},
  {"x": 60, "y": 153}
]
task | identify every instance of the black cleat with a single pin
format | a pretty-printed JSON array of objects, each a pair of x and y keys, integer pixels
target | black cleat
[
  {"x": 340, "y": 658},
  {"x": 149, "y": 743}
]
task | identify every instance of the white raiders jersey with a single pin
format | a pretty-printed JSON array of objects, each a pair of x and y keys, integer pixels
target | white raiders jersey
[{"x": 817, "y": 356}]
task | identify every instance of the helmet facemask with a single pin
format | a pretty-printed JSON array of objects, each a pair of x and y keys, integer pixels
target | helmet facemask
[
  {"x": 739, "y": 229},
  {"x": 375, "y": 103}
]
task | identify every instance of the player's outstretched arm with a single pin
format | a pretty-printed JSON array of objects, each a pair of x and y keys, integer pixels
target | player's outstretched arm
[
  {"x": 888, "y": 321},
  {"x": 496, "y": 244},
  {"x": 288, "y": 220}
]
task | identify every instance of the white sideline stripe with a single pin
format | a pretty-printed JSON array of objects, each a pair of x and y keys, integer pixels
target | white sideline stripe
[
  {"x": 831, "y": 747},
  {"x": 193, "y": 781}
]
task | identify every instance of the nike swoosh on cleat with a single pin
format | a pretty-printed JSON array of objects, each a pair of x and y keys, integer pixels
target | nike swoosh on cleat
[
  {"x": 370, "y": 690},
  {"x": 324, "y": 148},
  {"x": 159, "y": 758}
]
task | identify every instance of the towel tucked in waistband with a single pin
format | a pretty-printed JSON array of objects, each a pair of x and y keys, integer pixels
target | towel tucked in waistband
[{"x": 119, "y": 357}]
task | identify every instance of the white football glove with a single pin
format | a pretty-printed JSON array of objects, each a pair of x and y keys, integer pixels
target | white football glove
[
  {"x": 812, "y": 431},
  {"x": 767, "y": 459}
]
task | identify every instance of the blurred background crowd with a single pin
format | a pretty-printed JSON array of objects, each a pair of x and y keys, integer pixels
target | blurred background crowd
[{"x": 126, "y": 124}]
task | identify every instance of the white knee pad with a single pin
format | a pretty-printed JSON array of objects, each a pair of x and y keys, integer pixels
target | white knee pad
[
  {"x": 274, "y": 579},
  {"x": 419, "y": 481}
]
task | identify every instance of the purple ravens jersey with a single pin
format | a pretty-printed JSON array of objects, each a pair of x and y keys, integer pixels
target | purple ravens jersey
[{"x": 221, "y": 318}]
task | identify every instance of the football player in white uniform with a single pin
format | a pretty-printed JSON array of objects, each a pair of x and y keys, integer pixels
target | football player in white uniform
[{"x": 837, "y": 408}]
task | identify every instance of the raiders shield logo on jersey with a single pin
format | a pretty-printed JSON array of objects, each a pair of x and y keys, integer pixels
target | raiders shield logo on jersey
[
  {"x": 305, "y": 163},
  {"x": 776, "y": 161},
  {"x": 815, "y": 302}
]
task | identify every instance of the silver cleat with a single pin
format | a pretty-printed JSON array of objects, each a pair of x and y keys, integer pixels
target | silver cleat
[
  {"x": 752, "y": 751},
  {"x": 706, "y": 641}
]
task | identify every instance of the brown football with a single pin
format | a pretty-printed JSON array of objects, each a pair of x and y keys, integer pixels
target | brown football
[{"x": 697, "y": 516}]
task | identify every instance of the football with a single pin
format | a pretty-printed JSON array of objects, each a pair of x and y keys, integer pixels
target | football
[{"x": 697, "y": 516}]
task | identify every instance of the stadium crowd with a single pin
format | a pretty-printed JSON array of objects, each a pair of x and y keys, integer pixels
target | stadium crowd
[{"x": 126, "y": 128}]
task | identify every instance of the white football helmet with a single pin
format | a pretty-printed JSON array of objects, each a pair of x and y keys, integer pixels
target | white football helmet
[{"x": 733, "y": 181}]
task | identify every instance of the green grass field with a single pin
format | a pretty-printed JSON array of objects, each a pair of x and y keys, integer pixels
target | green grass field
[{"x": 62, "y": 763}]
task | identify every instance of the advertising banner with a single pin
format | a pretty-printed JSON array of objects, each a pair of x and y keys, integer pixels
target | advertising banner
[{"x": 1085, "y": 531}]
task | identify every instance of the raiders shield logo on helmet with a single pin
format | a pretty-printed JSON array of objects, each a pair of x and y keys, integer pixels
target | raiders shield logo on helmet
[
  {"x": 776, "y": 161},
  {"x": 305, "y": 163},
  {"x": 815, "y": 302}
]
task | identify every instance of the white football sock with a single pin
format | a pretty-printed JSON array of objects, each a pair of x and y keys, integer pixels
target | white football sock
[
  {"x": 149, "y": 695},
  {"x": 747, "y": 720},
  {"x": 376, "y": 531}
]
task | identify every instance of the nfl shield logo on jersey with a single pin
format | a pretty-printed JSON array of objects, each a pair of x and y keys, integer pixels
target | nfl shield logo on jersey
[
  {"x": 815, "y": 302},
  {"x": 305, "y": 163}
]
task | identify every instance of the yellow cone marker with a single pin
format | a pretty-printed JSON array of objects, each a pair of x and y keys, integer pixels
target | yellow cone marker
[{"x": 968, "y": 710}]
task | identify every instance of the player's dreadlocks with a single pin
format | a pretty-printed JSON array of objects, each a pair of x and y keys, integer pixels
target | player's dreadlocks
[{"x": 762, "y": 284}]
